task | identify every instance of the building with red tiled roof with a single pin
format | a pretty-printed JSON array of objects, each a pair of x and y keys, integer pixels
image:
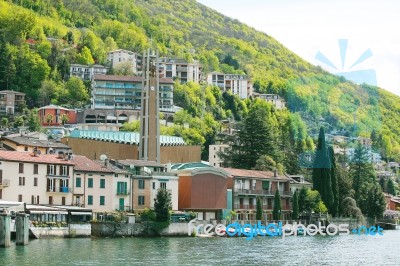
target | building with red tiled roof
[
  {"x": 53, "y": 115},
  {"x": 247, "y": 185}
]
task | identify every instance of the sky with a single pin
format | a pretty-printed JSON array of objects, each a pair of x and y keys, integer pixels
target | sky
[{"x": 369, "y": 32}]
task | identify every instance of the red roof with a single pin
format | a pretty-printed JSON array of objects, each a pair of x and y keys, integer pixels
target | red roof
[
  {"x": 83, "y": 163},
  {"x": 253, "y": 173},
  {"x": 127, "y": 78},
  {"x": 17, "y": 156}
]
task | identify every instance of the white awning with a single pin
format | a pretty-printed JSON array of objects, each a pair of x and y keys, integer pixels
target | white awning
[
  {"x": 81, "y": 213},
  {"x": 48, "y": 212}
]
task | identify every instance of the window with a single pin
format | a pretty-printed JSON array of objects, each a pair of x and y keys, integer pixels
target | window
[
  {"x": 122, "y": 188},
  {"x": 63, "y": 201},
  {"x": 102, "y": 183},
  {"x": 163, "y": 185},
  {"x": 50, "y": 170},
  {"x": 51, "y": 200},
  {"x": 265, "y": 185},
  {"x": 116, "y": 175},
  {"x": 141, "y": 183},
  {"x": 64, "y": 170},
  {"x": 35, "y": 181},
  {"x": 78, "y": 182},
  {"x": 154, "y": 185},
  {"x": 90, "y": 182},
  {"x": 140, "y": 200},
  {"x": 37, "y": 199},
  {"x": 102, "y": 200},
  {"x": 90, "y": 200},
  {"x": 35, "y": 169},
  {"x": 20, "y": 198},
  {"x": 22, "y": 181},
  {"x": 21, "y": 168},
  {"x": 1, "y": 194}
]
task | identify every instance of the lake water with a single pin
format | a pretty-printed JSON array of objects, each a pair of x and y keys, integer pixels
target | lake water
[{"x": 309, "y": 250}]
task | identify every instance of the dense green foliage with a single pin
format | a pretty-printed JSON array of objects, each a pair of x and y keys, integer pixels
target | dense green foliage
[
  {"x": 85, "y": 30},
  {"x": 258, "y": 209},
  {"x": 277, "y": 210},
  {"x": 162, "y": 206},
  {"x": 295, "y": 205}
]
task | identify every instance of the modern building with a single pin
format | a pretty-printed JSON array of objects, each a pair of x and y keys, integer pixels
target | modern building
[
  {"x": 236, "y": 84},
  {"x": 124, "y": 145},
  {"x": 53, "y": 115},
  {"x": 147, "y": 177},
  {"x": 204, "y": 190},
  {"x": 125, "y": 92},
  {"x": 274, "y": 99},
  {"x": 119, "y": 56},
  {"x": 213, "y": 154},
  {"x": 181, "y": 69},
  {"x": 250, "y": 184},
  {"x": 86, "y": 72},
  {"x": 10, "y": 101}
]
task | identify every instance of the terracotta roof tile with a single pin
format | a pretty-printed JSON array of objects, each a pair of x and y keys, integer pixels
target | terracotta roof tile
[
  {"x": 83, "y": 163},
  {"x": 17, "y": 156},
  {"x": 253, "y": 173}
]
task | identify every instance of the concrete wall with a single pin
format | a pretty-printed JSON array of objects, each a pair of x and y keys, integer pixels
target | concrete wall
[
  {"x": 120, "y": 229},
  {"x": 73, "y": 230},
  {"x": 94, "y": 148}
]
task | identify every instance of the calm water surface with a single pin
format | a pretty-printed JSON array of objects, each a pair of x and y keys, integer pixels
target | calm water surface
[{"x": 318, "y": 250}]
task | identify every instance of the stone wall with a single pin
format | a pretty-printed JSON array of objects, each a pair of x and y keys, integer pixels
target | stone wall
[
  {"x": 111, "y": 229},
  {"x": 73, "y": 230}
]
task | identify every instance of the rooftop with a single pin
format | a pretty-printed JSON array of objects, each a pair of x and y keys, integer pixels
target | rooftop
[
  {"x": 140, "y": 163},
  {"x": 123, "y": 137},
  {"x": 254, "y": 174},
  {"x": 17, "y": 156},
  {"x": 23, "y": 140},
  {"x": 183, "y": 166},
  {"x": 83, "y": 163}
]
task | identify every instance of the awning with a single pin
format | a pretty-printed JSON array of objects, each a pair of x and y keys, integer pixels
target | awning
[
  {"x": 81, "y": 213},
  {"x": 48, "y": 212}
]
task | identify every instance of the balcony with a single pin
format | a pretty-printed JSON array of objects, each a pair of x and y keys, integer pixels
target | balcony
[
  {"x": 254, "y": 207},
  {"x": 59, "y": 189},
  {"x": 4, "y": 183},
  {"x": 260, "y": 192},
  {"x": 123, "y": 192}
]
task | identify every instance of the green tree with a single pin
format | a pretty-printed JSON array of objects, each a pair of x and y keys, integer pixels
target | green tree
[
  {"x": 162, "y": 206},
  {"x": 33, "y": 122},
  {"x": 85, "y": 57},
  {"x": 276, "y": 212},
  {"x": 4, "y": 122},
  {"x": 376, "y": 202},
  {"x": 334, "y": 208},
  {"x": 259, "y": 209},
  {"x": 302, "y": 199},
  {"x": 77, "y": 92},
  {"x": 265, "y": 163},
  {"x": 64, "y": 118},
  {"x": 295, "y": 210},
  {"x": 350, "y": 208},
  {"x": 321, "y": 174},
  {"x": 345, "y": 183},
  {"x": 383, "y": 184},
  {"x": 123, "y": 69},
  {"x": 391, "y": 188}
]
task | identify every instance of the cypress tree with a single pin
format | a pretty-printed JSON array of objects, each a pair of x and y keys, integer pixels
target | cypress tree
[
  {"x": 334, "y": 180},
  {"x": 276, "y": 212},
  {"x": 259, "y": 209},
  {"x": 376, "y": 202},
  {"x": 321, "y": 174},
  {"x": 382, "y": 183},
  {"x": 302, "y": 199},
  {"x": 295, "y": 211}
]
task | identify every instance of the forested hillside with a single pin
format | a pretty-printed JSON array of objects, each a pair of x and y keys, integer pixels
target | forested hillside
[{"x": 40, "y": 38}]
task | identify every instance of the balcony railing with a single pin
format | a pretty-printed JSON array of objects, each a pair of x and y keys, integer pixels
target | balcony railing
[
  {"x": 5, "y": 183},
  {"x": 254, "y": 207},
  {"x": 123, "y": 208},
  {"x": 59, "y": 189},
  {"x": 261, "y": 192},
  {"x": 123, "y": 192}
]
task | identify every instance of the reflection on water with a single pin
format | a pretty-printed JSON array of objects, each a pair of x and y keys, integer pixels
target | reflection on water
[{"x": 337, "y": 250}]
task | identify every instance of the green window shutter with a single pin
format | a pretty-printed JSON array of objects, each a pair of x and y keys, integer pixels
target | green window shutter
[
  {"x": 265, "y": 185},
  {"x": 102, "y": 200},
  {"x": 126, "y": 187},
  {"x": 119, "y": 187},
  {"x": 78, "y": 182},
  {"x": 90, "y": 200},
  {"x": 102, "y": 183},
  {"x": 90, "y": 182}
]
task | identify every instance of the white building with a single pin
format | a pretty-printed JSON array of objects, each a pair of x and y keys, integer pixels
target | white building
[
  {"x": 181, "y": 69},
  {"x": 213, "y": 158},
  {"x": 119, "y": 56},
  {"x": 275, "y": 99},
  {"x": 86, "y": 72},
  {"x": 236, "y": 84},
  {"x": 373, "y": 157}
]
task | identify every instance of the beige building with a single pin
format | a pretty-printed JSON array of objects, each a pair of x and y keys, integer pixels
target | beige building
[
  {"x": 86, "y": 72},
  {"x": 147, "y": 178},
  {"x": 181, "y": 69},
  {"x": 10, "y": 100},
  {"x": 213, "y": 154},
  {"x": 35, "y": 179},
  {"x": 274, "y": 99},
  {"x": 119, "y": 56},
  {"x": 236, "y": 84}
]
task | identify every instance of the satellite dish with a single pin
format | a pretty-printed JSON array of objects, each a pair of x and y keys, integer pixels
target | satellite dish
[{"x": 103, "y": 157}]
